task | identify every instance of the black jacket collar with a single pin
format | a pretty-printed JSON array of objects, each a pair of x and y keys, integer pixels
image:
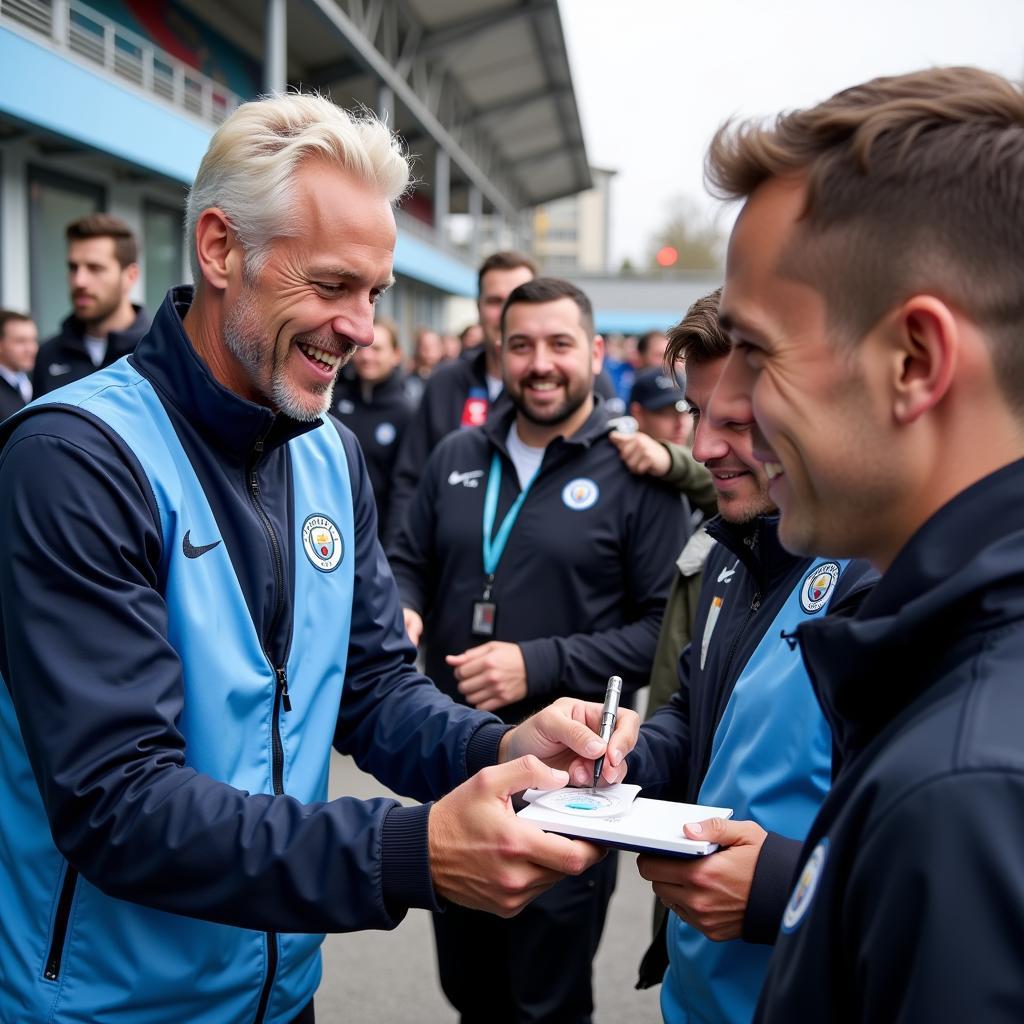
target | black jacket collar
[
  {"x": 960, "y": 576},
  {"x": 166, "y": 357},
  {"x": 756, "y": 544},
  {"x": 72, "y": 333},
  {"x": 596, "y": 426}
]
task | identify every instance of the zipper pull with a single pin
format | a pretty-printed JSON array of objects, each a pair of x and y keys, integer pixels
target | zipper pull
[{"x": 282, "y": 681}]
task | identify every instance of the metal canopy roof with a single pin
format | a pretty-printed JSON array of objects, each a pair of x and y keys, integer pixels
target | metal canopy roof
[{"x": 486, "y": 80}]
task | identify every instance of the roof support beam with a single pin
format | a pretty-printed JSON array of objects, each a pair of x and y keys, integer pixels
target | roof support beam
[
  {"x": 455, "y": 32},
  {"x": 422, "y": 110}
]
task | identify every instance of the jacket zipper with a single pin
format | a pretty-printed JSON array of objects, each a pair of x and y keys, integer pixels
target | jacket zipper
[
  {"x": 60, "y": 924},
  {"x": 281, "y": 698}
]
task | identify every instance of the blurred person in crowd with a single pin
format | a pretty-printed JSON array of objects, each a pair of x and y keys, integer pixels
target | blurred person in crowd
[
  {"x": 471, "y": 338},
  {"x": 427, "y": 355},
  {"x": 570, "y": 595},
  {"x": 618, "y": 366},
  {"x": 103, "y": 268},
  {"x": 874, "y": 295},
  {"x": 195, "y": 606},
  {"x": 650, "y": 350},
  {"x": 743, "y": 728},
  {"x": 451, "y": 346},
  {"x": 19, "y": 343},
  {"x": 375, "y": 407},
  {"x": 657, "y": 404}
]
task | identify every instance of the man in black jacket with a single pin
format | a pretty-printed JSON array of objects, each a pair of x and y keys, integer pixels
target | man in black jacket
[
  {"x": 535, "y": 565},
  {"x": 103, "y": 268},
  {"x": 375, "y": 406},
  {"x": 19, "y": 343},
  {"x": 875, "y": 298}
]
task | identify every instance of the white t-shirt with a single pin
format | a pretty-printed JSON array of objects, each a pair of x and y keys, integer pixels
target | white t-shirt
[
  {"x": 494, "y": 386},
  {"x": 526, "y": 459},
  {"x": 97, "y": 349}
]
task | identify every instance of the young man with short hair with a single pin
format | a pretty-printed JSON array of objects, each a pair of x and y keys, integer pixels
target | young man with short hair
[
  {"x": 104, "y": 325},
  {"x": 874, "y": 295}
]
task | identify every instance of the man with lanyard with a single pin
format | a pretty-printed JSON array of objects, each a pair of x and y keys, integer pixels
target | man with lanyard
[
  {"x": 533, "y": 564},
  {"x": 743, "y": 730}
]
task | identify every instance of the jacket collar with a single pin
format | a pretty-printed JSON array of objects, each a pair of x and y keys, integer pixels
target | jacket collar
[
  {"x": 756, "y": 544},
  {"x": 166, "y": 357},
  {"x": 596, "y": 426},
  {"x": 957, "y": 578},
  {"x": 72, "y": 333}
]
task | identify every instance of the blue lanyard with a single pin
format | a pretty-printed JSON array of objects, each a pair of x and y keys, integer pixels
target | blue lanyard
[{"x": 494, "y": 549}]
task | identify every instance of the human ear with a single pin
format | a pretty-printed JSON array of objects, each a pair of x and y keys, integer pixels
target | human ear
[
  {"x": 927, "y": 346},
  {"x": 216, "y": 247}
]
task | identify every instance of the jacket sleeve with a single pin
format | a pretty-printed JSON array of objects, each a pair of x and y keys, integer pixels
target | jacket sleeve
[
  {"x": 931, "y": 912},
  {"x": 413, "y": 553},
  {"x": 98, "y": 692},
  {"x": 413, "y": 453},
  {"x": 770, "y": 888},
  {"x": 691, "y": 478},
  {"x": 653, "y": 533}
]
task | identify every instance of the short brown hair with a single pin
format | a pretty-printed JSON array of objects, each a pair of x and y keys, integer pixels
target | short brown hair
[
  {"x": 9, "y": 316},
  {"x": 914, "y": 183},
  {"x": 551, "y": 289},
  {"x": 103, "y": 225},
  {"x": 698, "y": 337},
  {"x": 507, "y": 259}
]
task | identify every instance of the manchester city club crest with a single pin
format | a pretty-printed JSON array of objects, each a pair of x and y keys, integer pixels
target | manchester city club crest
[
  {"x": 580, "y": 494},
  {"x": 806, "y": 887},
  {"x": 818, "y": 586},
  {"x": 322, "y": 543}
]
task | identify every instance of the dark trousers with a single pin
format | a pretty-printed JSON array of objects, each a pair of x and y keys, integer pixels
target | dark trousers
[
  {"x": 306, "y": 1017},
  {"x": 532, "y": 968}
]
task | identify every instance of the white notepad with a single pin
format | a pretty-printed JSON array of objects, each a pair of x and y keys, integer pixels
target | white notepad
[{"x": 616, "y": 816}]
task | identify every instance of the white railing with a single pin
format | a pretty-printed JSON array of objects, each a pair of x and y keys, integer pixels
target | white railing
[{"x": 77, "y": 29}]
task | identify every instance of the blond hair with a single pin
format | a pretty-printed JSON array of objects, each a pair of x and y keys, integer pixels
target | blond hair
[{"x": 249, "y": 168}]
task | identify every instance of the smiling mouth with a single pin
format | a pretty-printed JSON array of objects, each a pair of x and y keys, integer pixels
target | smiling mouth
[
  {"x": 543, "y": 385},
  {"x": 322, "y": 358}
]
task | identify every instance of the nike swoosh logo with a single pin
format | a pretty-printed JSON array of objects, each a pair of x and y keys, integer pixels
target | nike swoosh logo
[
  {"x": 725, "y": 575},
  {"x": 191, "y": 551},
  {"x": 455, "y": 477},
  {"x": 59, "y": 369}
]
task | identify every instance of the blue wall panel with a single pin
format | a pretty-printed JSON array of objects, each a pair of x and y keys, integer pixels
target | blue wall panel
[
  {"x": 41, "y": 87},
  {"x": 418, "y": 259}
]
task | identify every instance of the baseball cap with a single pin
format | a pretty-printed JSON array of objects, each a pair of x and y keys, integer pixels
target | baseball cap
[{"x": 655, "y": 389}]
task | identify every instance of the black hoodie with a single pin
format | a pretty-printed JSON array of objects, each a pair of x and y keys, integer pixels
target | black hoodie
[{"x": 910, "y": 900}]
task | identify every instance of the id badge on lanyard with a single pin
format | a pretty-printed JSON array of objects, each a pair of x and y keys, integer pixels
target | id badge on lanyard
[{"x": 485, "y": 610}]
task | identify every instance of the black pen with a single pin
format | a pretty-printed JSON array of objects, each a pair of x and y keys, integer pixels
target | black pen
[{"x": 609, "y": 713}]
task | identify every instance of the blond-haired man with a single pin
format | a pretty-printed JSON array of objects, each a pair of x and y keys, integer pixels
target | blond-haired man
[{"x": 195, "y": 606}]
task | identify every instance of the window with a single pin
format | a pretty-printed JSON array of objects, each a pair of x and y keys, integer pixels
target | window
[
  {"x": 54, "y": 201},
  {"x": 162, "y": 228}
]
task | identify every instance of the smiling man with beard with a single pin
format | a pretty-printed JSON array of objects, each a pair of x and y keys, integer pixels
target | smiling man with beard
[{"x": 533, "y": 564}]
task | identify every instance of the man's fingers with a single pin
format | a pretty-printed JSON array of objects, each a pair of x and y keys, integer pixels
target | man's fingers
[
  {"x": 723, "y": 831},
  {"x": 527, "y": 772},
  {"x": 565, "y": 856}
]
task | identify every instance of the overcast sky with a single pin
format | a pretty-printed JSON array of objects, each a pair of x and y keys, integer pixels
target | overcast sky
[{"x": 655, "y": 78}]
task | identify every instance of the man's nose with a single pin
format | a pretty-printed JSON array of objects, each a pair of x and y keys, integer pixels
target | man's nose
[{"x": 356, "y": 324}]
